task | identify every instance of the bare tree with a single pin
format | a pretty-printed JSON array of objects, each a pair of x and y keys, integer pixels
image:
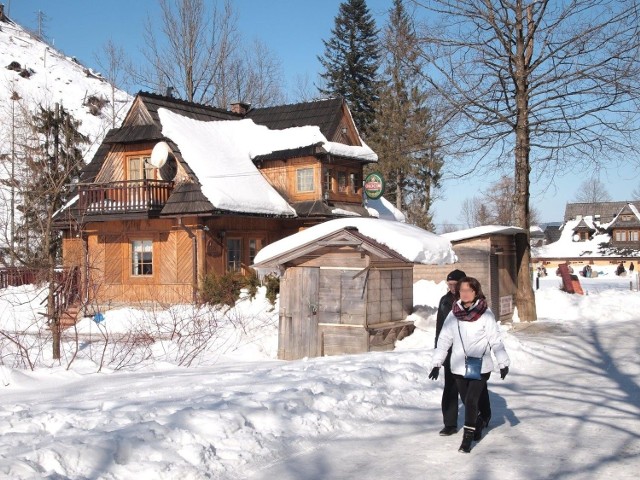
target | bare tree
[
  {"x": 304, "y": 89},
  {"x": 254, "y": 76},
  {"x": 635, "y": 194},
  {"x": 592, "y": 191},
  {"x": 115, "y": 67},
  {"x": 539, "y": 84},
  {"x": 198, "y": 51},
  {"x": 494, "y": 206},
  {"x": 190, "y": 50}
]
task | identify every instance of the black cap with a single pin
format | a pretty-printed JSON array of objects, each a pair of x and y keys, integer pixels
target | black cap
[{"x": 456, "y": 275}]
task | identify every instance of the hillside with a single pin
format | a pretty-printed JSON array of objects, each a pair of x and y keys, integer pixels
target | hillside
[{"x": 37, "y": 74}]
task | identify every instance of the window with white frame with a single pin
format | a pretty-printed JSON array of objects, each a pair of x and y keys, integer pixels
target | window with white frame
[
  {"x": 633, "y": 236},
  {"x": 138, "y": 168},
  {"x": 304, "y": 180},
  {"x": 621, "y": 236},
  {"x": 142, "y": 258}
]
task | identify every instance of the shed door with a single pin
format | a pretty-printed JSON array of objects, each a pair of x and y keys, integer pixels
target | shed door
[{"x": 299, "y": 336}]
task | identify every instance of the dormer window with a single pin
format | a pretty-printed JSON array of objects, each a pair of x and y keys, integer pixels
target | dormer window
[
  {"x": 626, "y": 218},
  {"x": 304, "y": 178},
  {"x": 138, "y": 168}
]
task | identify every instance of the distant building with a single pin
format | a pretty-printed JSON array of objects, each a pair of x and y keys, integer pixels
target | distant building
[
  {"x": 625, "y": 228},
  {"x": 603, "y": 212}
]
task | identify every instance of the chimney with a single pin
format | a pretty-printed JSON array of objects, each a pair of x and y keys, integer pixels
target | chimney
[
  {"x": 169, "y": 92},
  {"x": 2, "y": 17},
  {"x": 240, "y": 107}
]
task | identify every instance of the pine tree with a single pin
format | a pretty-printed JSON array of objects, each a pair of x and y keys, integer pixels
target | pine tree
[
  {"x": 404, "y": 133},
  {"x": 351, "y": 61},
  {"x": 53, "y": 162}
]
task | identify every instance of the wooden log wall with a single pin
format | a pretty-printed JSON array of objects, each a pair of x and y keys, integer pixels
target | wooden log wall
[
  {"x": 389, "y": 295},
  {"x": 281, "y": 174},
  {"x": 111, "y": 279}
]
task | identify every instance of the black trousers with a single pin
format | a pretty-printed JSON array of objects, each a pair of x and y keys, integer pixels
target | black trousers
[
  {"x": 450, "y": 398},
  {"x": 471, "y": 392}
]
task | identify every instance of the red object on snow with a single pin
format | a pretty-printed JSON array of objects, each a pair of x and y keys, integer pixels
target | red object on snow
[{"x": 570, "y": 283}]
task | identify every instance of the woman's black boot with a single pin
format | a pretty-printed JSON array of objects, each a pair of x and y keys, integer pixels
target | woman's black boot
[
  {"x": 467, "y": 438},
  {"x": 477, "y": 435}
]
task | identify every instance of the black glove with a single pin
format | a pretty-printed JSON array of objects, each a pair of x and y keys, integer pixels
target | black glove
[
  {"x": 435, "y": 371},
  {"x": 503, "y": 372}
]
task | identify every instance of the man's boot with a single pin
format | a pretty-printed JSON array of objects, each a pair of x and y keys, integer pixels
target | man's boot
[{"x": 467, "y": 438}]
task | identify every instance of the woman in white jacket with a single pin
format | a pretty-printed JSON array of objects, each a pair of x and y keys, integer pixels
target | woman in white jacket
[{"x": 471, "y": 330}]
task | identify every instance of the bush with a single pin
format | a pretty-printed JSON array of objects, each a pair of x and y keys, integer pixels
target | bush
[
  {"x": 222, "y": 289},
  {"x": 252, "y": 282},
  {"x": 273, "y": 288}
]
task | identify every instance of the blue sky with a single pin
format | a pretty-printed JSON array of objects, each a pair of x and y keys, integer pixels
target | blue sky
[{"x": 293, "y": 30}]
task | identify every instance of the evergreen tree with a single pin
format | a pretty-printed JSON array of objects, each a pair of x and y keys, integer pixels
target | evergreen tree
[
  {"x": 53, "y": 162},
  {"x": 404, "y": 133},
  {"x": 351, "y": 61}
]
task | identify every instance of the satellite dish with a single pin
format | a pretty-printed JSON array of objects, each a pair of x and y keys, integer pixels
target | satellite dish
[
  {"x": 159, "y": 154},
  {"x": 169, "y": 170}
]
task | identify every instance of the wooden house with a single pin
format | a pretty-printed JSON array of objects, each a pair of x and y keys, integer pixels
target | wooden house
[
  {"x": 487, "y": 253},
  {"x": 625, "y": 228},
  {"x": 181, "y": 190},
  {"x": 341, "y": 293}
]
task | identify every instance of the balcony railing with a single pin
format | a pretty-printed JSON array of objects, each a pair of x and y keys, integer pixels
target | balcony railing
[{"x": 134, "y": 196}]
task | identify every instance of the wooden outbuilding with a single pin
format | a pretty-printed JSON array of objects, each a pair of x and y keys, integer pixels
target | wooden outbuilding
[
  {"x": 487, "y": 253},
  {"x": 341, "y": 293}
]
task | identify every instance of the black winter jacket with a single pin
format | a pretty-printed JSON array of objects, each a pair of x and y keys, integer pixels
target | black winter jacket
[{"x": 445, "y": 306}]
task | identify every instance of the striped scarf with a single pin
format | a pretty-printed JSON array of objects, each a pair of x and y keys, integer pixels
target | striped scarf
[{"x": 472, "y": 314}]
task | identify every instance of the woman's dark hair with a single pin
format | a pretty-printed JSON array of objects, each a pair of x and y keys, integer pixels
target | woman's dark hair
[{"x": 474, "y": 284}]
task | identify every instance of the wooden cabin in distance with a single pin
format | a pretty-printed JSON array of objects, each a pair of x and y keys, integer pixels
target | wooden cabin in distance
[
  {"x": 341, "y": 291},
  {"x": 148, "y": 230}
]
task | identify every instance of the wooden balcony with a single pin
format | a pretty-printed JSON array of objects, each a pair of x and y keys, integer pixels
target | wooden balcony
[{"x": 124, "y": 197}]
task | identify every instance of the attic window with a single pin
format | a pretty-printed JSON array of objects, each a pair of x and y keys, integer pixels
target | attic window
[
  {"x": 138, "y": 168},
  {"x": 626, "y": 218},
  {"x": 305, "y": 180}
]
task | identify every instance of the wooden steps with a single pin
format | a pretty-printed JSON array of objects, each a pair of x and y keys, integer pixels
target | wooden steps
[{"x": 69, "y": 317}]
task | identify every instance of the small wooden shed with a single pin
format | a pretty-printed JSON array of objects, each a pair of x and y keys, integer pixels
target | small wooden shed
[
  {"x": 487, "y": 253},
  {"x": 342, "y": 293}
]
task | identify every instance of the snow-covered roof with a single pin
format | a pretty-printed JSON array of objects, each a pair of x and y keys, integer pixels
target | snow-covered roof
[
  {"x": 413, "y": 243},
  {"x": 220, "y": 153},
  {"x": 384, "y": 209},
  {"x": 567, "y": 247},
  {"x": 481, "y": 231}
]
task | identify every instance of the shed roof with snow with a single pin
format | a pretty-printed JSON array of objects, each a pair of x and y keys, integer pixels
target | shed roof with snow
[{"x": 412, "y": 243}]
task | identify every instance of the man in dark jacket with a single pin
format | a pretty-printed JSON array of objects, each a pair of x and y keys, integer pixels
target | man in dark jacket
[{"x": 450, "y": 392}]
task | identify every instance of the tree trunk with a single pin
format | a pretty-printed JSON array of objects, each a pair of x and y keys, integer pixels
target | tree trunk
[
  {"x": 525, "y": 298},
  {"x": 52, "y": 315}
]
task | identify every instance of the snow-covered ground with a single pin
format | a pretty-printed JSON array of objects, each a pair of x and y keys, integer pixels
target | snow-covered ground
[{"x": 569, "y": 409}]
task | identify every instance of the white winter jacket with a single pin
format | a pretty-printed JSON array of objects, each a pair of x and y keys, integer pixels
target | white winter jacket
[{"x": 480, "y": 336}]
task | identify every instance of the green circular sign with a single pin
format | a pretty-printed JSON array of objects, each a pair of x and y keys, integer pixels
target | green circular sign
[{"x": 374, "y": 185}]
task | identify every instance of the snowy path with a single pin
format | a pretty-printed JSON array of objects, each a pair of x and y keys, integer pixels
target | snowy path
[
  {"x": 570, "y": 409},
  {"x": 581, "y": 422}
]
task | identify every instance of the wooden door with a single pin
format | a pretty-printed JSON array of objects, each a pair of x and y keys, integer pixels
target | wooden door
[{"x": 298, "y": 336}]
